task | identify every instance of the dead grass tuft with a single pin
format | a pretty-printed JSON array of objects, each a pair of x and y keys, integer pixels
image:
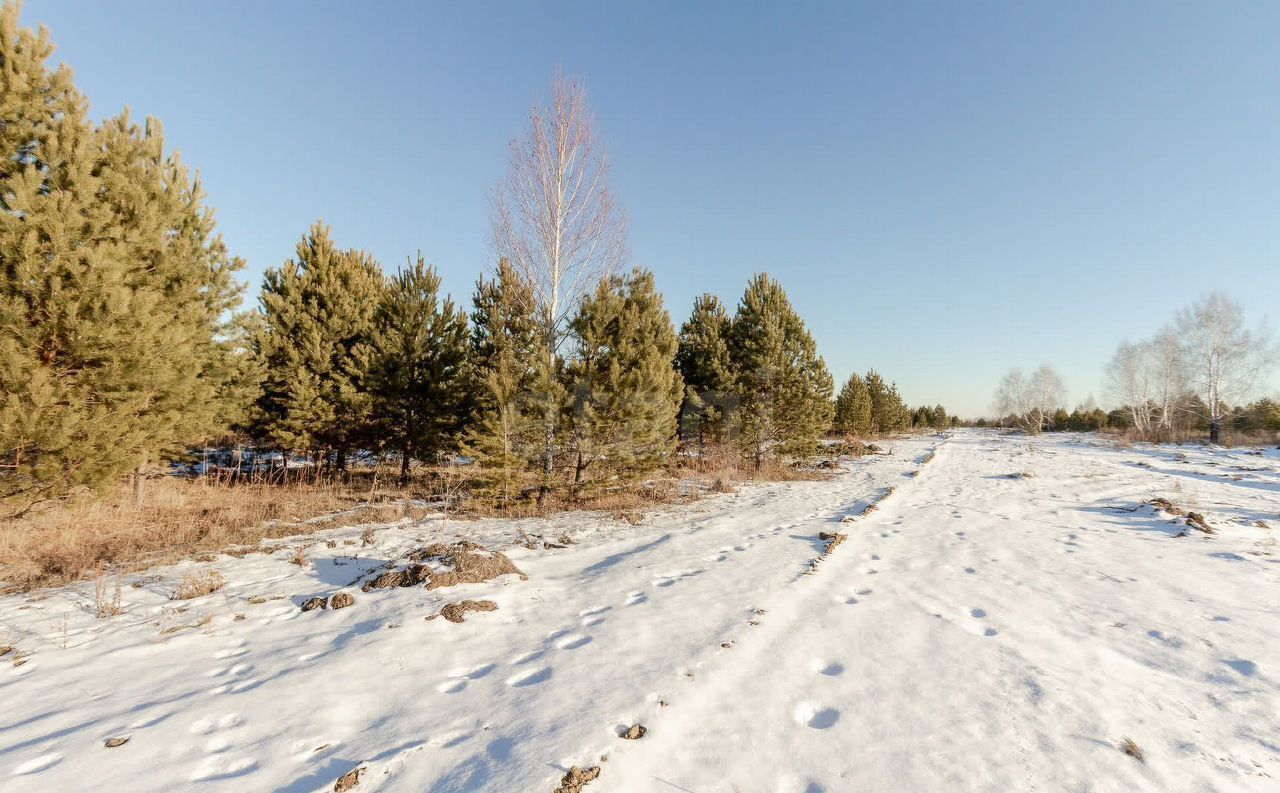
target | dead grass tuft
[
  {"x": 106, "y": 602},
  {"x": 198, "y": 583},
  {"x": 1132, "y": 749}
]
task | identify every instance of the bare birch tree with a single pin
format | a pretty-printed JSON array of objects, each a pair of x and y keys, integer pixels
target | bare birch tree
[
  {"x": 1226, "y": 359},
  {"x": 555, "y": 220},
  {"x": 1169, "y": 381},
  {"x": 1030, "y": 400},
  {"x": 1129, "y": 382}
]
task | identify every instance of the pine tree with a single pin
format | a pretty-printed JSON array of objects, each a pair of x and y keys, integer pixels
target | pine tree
[
  {"x": 783, "y": 384},
  {"x": 316, "y": 347},
  {"x": 853, "y": 407},
  {"x": 703, "y": 361},
  {"x": 626, "y": 391},
  {"x": 888, "y": 413},
  {"x": 940, "y": 419},
  {"x": 421, "y": 396},
  {"x": 117, "y": 337},
  {"x": 505, "y": 433}
]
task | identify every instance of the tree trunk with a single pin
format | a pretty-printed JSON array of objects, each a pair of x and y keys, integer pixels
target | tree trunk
[
  {"x": 404, "y": 465},
  {"x": 1215, "y": 429},
  {"x": 140, "y": 481}
]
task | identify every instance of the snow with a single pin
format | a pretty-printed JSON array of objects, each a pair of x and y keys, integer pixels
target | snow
[{"x": 975, "y": 632}]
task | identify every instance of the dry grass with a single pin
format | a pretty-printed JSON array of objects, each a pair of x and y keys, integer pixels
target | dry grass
[
  {"x": 198, "y": 583},
  {"x": 59, "y": 543},
  {"x": 180, "y": 518}
]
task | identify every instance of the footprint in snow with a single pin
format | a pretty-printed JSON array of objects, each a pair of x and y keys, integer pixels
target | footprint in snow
[
  {"x": 816, "y": 716},
  {"x": 573, "y": 642},
  {"x": 828, "y": 668},
  {"x": 636, "y": 598},
  {"x": 530, "y": 678},
  {"x": 527, "y": 657},
  {"x": 452, "y": 686},
  {"x": 38, "y": 764}
]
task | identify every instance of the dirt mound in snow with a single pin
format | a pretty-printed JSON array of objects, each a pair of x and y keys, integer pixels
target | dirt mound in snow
[
  {"x": 457, "y": 612},
  {"x": 445, "y": 565},
  {"x": 573, "y": 781}
]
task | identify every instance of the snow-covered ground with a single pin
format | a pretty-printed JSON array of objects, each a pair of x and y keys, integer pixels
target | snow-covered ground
[{"x": 976, "y": 632}]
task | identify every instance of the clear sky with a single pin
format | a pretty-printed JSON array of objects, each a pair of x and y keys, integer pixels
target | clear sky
[{"x": 946, "y": 189}]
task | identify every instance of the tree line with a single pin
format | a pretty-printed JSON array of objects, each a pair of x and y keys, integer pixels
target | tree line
[
  {"x": 123, "y": 339},
  {"x": 1197, "y": 374}
]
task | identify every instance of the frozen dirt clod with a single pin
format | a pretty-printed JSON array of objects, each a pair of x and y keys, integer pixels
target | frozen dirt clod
[
  {"x": 635, "y": 732},
  {"x": 1197, "y": 521},
  {"x": 348, "y": 780},
  {"x": 311, "y": 604},
  {"x": 410, "y": 576},
  {"x": 1165, "y": 505},
  {"x": 112, "y": 743},
  {"x": 341, "y": 600},
  {"x": 456, "y": 612},
  {"x": 575, "y": 778}
]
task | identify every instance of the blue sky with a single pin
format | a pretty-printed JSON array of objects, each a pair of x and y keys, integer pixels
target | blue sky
[{"x": 946, "y": 189}]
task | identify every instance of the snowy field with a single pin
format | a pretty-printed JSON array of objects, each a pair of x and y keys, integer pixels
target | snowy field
[{"x": 975, "y": 632}]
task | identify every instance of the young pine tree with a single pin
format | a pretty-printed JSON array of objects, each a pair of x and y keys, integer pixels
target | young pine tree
[
  {"x": 505, "y": 435},
  {"x": 421, "y": 387},
  {"x": 316, "y": 347},
  {"x": 853, "y": 407},
  {"x": 626, "y": 391},
  {"x": 888, "y": 413},
  {"x": 116, "y": 297},
  {"x": 702, "y": 358},
  {"x": 783, "y": 384}
]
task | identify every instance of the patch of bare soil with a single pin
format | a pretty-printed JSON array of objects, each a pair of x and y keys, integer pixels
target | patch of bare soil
[
  {"x": 574, "y": 780},
  {"x": 457, "y": 612},
  {"x": 635, "y": 732}
]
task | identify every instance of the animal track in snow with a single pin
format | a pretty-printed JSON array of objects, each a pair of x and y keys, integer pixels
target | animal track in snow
[{"x": 635, "y": 598}]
